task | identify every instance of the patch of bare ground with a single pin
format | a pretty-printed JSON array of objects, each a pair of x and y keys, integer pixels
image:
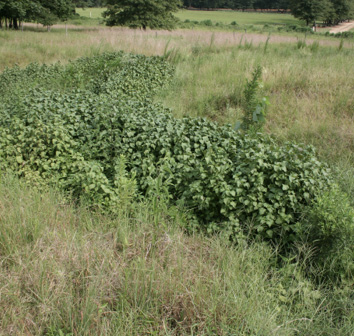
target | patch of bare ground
[{"x": 342, "y": 27}]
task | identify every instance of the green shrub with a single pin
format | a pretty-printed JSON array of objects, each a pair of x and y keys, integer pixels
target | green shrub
[
  {"x": 298, "y": 29},
  {"x": 76, "y": 139},
  {"x": 347, "y": 34},
  {"x": 226, "y": 178},
  {"x": 207, "y": 23}
]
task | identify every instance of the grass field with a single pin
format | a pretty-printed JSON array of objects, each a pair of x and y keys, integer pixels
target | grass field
[
  {"x": 66, "y": 270},
  {"x": 225, "y": 17},
  {"x": 94, "y": 13}
]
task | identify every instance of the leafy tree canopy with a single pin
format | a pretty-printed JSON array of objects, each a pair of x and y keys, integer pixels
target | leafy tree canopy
[
  {"x": 308, "y": 10},
  {"x": 330, "y": 11},
  {"x": 89, "y": 3},
  {"x": 238, "y": 4},
  {"x": 55, "y": 10},
  {"x": 42, "y": 11},
  {"x": 156, "y": 14}
]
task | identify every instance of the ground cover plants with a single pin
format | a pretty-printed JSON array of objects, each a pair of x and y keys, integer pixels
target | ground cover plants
[
  {"x": 140, "y": 242},
  {"x": 80, "y": 138}
]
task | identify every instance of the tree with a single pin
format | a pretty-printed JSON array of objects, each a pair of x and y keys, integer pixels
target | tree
[
  {"x": 14, "y": 11},
  {"x": 89, "y": 3},
  {"x": 55, "y": 10},
  {"x": 330, "y": 11},
  {"x": 308, "y": 10},
  {"x": 343, "y": 10},
  {"x": 142, "y": 13},
  {"x": 243, "y": 4},
  {"x": 42, "y": 11}
]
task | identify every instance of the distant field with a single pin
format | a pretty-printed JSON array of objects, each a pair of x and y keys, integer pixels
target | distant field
[
  {"x": 94, "y": 13},
  {"x": 225, "y": 17}
]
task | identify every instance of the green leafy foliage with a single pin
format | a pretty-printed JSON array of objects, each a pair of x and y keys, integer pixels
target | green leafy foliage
[
  {"x": 155, "y": 14},
  {"x": 92, "y": 128},
  {"x": 42, "y": 11},
  {"x": 330, "y": 11}
]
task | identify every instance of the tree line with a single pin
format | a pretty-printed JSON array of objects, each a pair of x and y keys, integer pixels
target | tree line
[
  {"x": 331, "y": 12},
  {"x": 238, "y": 4},
  {"x": 328, "y": 11},
  {"x": 13, "y": 13},
  {"x": 89, "y": 3}
]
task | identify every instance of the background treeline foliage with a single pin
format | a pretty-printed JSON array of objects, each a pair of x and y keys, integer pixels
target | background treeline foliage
[
  {"x": 12, "y": 13},
  {"x": 89, "y": 3},
  {"x": 238, "y": 4},
  {"x": 235, "y": 4},
  {"x": 329, "y": 11}
]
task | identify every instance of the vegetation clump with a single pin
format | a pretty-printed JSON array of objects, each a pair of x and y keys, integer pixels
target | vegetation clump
[
  {"x": 92, "y": 129},
  {"x": 88, "y": 135},
  {"x": 14, "y": 13},
  {"x": 155, "y": 14}
]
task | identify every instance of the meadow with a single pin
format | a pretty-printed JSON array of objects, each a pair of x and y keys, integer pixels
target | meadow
[
  {"x": 225, "y": 17},
  {"x": 68, "y": 268},
  {"x": 94, "y": 13}
]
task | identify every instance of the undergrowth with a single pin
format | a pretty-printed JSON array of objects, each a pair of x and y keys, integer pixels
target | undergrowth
[
  {"x": 110, "y": 256},
  {"x": 85, "y": 126}
]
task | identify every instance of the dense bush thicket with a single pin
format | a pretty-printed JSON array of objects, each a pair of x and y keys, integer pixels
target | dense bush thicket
[{"x": 92, "y": 128}]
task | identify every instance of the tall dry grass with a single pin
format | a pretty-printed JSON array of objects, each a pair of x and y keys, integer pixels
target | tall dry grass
[
  {"x": 67, "y": 271},
  {"x": 35, "y": 44}
]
